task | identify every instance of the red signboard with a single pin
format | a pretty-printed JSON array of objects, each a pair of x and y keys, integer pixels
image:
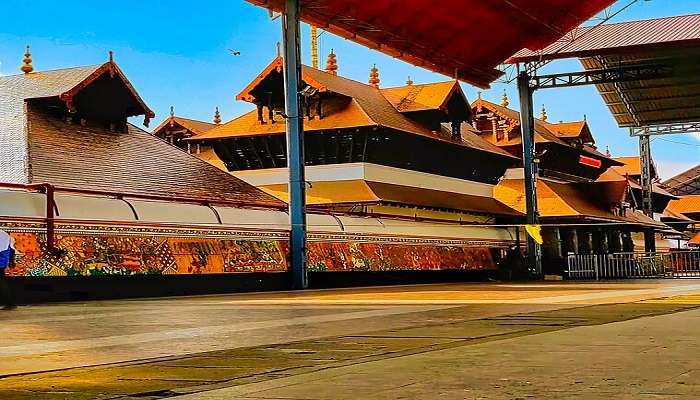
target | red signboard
[{"x": 590, "y": 162}]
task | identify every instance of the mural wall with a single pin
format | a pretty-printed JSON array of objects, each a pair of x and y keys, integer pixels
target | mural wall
[{"x": 85, "y": 254}]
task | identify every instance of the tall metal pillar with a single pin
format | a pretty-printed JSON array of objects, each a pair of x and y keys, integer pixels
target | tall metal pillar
[
  {"x": 527, "y": 124},
  {"x": 295, "y": 144},
  {"x": 646, "y": 183}
]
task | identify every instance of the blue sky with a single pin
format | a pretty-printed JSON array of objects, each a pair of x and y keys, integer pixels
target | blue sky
[{"x": 176, "y": 53}]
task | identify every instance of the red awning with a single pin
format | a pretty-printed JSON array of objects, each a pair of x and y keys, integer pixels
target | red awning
[{"x": 467, "y": 37}]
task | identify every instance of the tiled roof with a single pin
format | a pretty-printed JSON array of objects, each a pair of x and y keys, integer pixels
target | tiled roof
[
  {"x": 421, "y": 97},
  {"x": 61, "y": 83},
  {"x": 562, "y": 200},
  {"x": 133, "y": 162},
  {"x": 543, "y": 130},
  {"x": 366, "y": 106},
  {"x": 195, "y": 126},
  {"x": 689, "y": 204},
  {"x": 695, "y": 241}
]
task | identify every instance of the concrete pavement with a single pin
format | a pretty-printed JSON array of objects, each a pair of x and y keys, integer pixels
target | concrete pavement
[{"x": 445, "y": 341}]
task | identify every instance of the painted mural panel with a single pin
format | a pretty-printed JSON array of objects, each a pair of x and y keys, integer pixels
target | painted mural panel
[{"x": 110, "y": 254}]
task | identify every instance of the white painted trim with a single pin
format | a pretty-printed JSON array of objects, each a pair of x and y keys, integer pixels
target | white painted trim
[{"x": 369, "y": 172}]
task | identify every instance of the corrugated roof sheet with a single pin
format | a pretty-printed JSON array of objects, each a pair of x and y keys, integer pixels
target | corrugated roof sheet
[
  {"x": 621, "y": 37},
  {"x": 687, "y": 182},
  {"x": 469, "y": 38}
]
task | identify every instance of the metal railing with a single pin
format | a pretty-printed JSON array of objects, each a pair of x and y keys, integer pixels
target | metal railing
[{"x": 633, "y": 265}]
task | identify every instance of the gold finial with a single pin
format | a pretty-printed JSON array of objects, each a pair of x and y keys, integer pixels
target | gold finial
[
  {"x": 27, "y": 66},
  {"x": 409, "y": 82},
  {"x": 478, "y": 95},
  {"x": 607, "y": 151},
  {"x": 217, "y": 116},
  {"x": 111, "y": 56},
  {"x": 504, "y": 99},
  {"x": 172, "y": 111},
  {"x": 332, "y": 63},
  {"x": 543, "y": 114},
  {"x": 374, "y": 76},
  {"x": 279, "y": 52},
  {"x": 314, "y": 47},
  {"x": 584, "y": 117}
]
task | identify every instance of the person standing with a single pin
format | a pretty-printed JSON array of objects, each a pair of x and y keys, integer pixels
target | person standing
[{"x": 7, "y": 257}]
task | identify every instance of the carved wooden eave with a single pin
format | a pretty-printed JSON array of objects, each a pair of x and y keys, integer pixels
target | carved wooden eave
[
  {"x": 275, "y": 66},
  {"x": 113, "y": 70},
  {"x": 512, "y": 124}
]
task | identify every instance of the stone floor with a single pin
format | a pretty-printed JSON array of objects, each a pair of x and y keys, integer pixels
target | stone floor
[{"x": 458, "y": 341}]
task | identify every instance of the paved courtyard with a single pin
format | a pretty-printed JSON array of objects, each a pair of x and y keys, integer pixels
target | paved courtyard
[{"x": 632, "y": 339}]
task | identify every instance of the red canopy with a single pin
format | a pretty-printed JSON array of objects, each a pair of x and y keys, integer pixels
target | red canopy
[{"x": 464, "y": 39}]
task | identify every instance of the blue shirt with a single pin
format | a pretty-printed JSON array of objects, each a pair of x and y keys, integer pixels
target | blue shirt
[{"x": 6, "y": 256}]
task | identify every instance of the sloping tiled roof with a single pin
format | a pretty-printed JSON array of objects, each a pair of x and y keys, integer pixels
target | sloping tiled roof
[
  {"x": 366, "y": 107},
  {"x": 689, "y": 204},
  {"x": 133, "y": 162},
  {"x": 368, "y": 192},
  {"x": 421, "y": 97},
  {"x": 562, "y": 200},
  {"x": 195, "y": 126}
]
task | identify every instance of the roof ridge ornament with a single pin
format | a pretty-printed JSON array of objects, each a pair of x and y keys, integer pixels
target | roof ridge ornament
[
  {"x": 27, "y": 66},
  {"x": 543, "y": 114},
  {"x": 409, "y": 82},
  {"x": 217, "y": 116},
  {"x": 374, "y": 76},
  {"x": 332, "y": 63},
  {"x": 172, "y": 116},
  {"x": 504, "y": 99}
]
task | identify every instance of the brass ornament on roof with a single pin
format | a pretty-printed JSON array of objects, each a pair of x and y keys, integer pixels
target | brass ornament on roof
[
  {"x": 504, "y": 99},
  {"x": 217, "y": 116},
  {"x": 27, "y": 66},
  {"x": 543, "y": 114},
  {"x": 409, "y": 82},
  {"x": 374, "y": 76},
  {"x": 332, "y": 63}
]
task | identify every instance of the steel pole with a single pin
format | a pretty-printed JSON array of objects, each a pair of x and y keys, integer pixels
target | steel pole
[
  {"x": 295, "y": 144},
  {"x": 646, "y": 183},
  {"x": 527, "y": 125}
]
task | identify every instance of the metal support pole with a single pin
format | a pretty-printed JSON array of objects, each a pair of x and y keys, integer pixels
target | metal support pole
[
  {"x": 646, "y": 183},
  {"x": 527, "y": 124},
  {"x": 295, "y": 144}
]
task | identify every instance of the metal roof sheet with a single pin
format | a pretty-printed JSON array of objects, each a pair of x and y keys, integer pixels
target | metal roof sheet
[{"x": 448, "y": 36}]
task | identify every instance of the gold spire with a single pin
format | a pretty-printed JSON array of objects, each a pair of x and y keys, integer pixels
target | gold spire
[
  {"x": 409, "y": 82},
  {"x": 111, "y": 56},
  {"x": 217, "y": 116},
  {"x": 607, "y": 151},
  {"x": 543, "y": 114},
  {"x": 504, "y": 99},
  {"x": 331, "y": 64},
  {"x": 279, "y": 51},
  {"x": 172, "y": 111},
  {"x": 314, "y": 47},
  {"x": 27, "y": 67},
  {"x": 374, "y": 76}
]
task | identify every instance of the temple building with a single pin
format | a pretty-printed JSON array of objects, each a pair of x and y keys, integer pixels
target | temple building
[
  {"x": 403, "y": 151},
  {"x": 98, "y": 207},
  {"x": 587, "y": 205},
  {"x": 176, "y": 129}
]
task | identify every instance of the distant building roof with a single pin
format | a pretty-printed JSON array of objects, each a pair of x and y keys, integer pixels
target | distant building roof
[
  {"x": 686, "y": 205},
  {"x": 687, "y": 182},
  {"x": 632, "y": 166},
  {"x": 421, "y": 97},
  {"x": 195, "y": 126}
]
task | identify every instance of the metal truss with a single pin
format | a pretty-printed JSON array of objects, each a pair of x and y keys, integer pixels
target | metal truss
[
  {"x": 599, "y": 76},
  {"x": 666, "y": 129}
]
